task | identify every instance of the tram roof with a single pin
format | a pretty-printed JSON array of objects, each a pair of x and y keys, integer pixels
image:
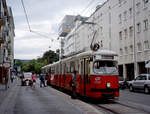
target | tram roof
[
  {"x": 49, "y": 65},
  {"x": 100, "y": 52},
  {"x": 44, "y": 66},
  {"x": 84, "y": 54},
  {"x": 54, "y": 64},
  {"x": 67, "y": 59}
]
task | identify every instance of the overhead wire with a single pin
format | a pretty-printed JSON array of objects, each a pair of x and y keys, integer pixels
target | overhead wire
[
  {"x": 26, "y": 15},
  {"x": 90, "y": 3},
  {"x": 33, "y": 31}
]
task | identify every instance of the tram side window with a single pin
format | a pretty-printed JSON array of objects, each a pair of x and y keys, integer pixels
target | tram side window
[
  {"x": 60, "y": 69},
  {"x": 49, "y": 70},
  {"x": 57, "y": 69},
  {"x": 53, "y": 70},
  {"x": 67, "y": 68},
  {"x": 72, "y": 67},
  {"x": 64, "y": 69}
]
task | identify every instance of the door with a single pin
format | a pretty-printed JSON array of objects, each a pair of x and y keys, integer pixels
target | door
[
  {"x": 139, "y": 82},
  {"x": 83, "y": 76}
]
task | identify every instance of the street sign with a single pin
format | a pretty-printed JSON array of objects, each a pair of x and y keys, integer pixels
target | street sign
[{"x": 6, "y": 65}]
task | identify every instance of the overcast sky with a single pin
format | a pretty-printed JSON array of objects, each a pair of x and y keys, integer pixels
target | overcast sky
[{"x": 44, "y": 17}]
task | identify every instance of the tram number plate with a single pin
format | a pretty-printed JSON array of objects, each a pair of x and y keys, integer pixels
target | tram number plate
[{"x": 97, "y": 80}]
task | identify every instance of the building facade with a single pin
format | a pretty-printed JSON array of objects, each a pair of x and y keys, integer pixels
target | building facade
[
  {"x": 6, "y": 42},
  {"x": 118, "y": 25}
]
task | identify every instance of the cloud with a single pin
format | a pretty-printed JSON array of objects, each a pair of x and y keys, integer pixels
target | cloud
[
  {"x": 44, "y": 18},
  {"x": 33, "y": 46}
]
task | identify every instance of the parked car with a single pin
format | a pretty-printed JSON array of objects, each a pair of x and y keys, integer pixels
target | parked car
[
  {"x": 141, "y": 82},
  {"x": 123, "y": 83},
  {"x": 26, "y": 79}
]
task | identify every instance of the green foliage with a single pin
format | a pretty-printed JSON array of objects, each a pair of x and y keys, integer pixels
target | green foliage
[
  {"x": 50, "y": 56},
  {"x": 19, "y": 63},
  {"x": 35, "y": 65}
]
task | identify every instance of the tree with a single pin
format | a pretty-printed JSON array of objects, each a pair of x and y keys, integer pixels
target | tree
[
  {"x": 19, "y": 63},
  {"x": 50, "y": 56},
  {"x": 35, "y": 65}
]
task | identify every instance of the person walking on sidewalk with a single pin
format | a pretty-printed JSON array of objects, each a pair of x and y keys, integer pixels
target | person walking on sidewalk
[
  {"x": 33, "y": 80},
  {"x": 42, "y": 80}
]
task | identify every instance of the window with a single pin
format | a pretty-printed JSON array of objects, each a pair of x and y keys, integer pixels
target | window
[
  {"x": 145, "y": 24},
  {"x": 138, "y": 7},
  {"x": 146, "y": 45},
  {"x": 125, "y": 33},
  {"x": 145, "y": 2},
  {"x": 120, "y": 35},
  {"x": 149, "y": 78},
  {"x": 139, "y": 27},
  {"x": 126, "y": 50},
  {"x": 125, "y": 15},
  {"x": 143, "y": 77},
  {"x": 72, "y": 66},
  {"x": 105, "y": 67},
  {"x": 101, "y": 16},
  {"x": 120, "y": 18},
  {"x": 121, "y": 51},
  {"x": 101, "y": 30},
  {"x": 131, "y": 31},
  {"x": 139, "y": 46},
  {"x": 130, "y": 12},
  {"x": 120, "y": 1},
  {"x": 138, "y": 78},
  {"x": 131, "y": 48}
]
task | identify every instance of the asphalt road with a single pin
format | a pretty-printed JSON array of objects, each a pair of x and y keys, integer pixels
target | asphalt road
[
  {"x": 46, "y": 100},
  {"x": 136, "y": 99}
]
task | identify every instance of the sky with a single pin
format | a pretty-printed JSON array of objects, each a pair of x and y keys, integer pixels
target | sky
[{"x": 44, "y": 17}]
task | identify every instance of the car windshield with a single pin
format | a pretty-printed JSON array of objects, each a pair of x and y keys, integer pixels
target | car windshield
[
  {"x": 27, "y": 75},
  {"x": 105, "y": 67}
]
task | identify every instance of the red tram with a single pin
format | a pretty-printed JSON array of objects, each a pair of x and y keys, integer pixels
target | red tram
[{"x": 97, "y": 74}]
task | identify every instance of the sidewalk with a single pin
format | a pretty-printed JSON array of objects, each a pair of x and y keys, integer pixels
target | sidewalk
[{"x": 5, "y": 92}]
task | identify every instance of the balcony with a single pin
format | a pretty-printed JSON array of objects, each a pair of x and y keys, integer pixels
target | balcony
[
  {"x": 2, "y": 37},
  {"x": 1, "y": 22}
]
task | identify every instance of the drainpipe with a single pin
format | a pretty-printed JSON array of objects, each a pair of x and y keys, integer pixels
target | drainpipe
[{"x": 134, "y": 41}]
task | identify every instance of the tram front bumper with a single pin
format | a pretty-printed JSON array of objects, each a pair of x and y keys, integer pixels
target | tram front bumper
[
  {"x": 105, "y": 93},
  {"x": 105, "y": 90}
]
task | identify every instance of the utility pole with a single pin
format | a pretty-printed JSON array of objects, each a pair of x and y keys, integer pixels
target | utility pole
[{"x": 134, "y": 41}]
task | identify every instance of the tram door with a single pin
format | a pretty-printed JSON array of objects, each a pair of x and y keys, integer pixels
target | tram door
[{"x": 83, "y": 76}]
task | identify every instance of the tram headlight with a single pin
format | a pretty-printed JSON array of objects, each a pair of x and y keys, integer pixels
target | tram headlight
[{"x": 108, "y": 85}]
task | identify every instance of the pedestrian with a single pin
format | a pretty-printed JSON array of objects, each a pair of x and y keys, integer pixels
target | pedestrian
[
  {"x": 74, "y": 85},
  {"x": 46, "y": 78},
  {"x": 12, "y": 78},
  {"x": 33, "y": 80},
  {"x": 42, "y": 80}
]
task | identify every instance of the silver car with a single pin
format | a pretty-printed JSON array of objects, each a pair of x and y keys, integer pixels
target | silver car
[{"x": 141, "y": 82}]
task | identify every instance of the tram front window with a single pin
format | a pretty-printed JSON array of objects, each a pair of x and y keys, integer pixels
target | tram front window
[{"x": 105, "y": 67}]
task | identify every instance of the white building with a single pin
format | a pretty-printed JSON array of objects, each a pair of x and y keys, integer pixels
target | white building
[{"x": 115, "y": 21}]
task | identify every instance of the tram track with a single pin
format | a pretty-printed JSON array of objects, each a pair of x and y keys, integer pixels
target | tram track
[{"x": 113, "y": 107}]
